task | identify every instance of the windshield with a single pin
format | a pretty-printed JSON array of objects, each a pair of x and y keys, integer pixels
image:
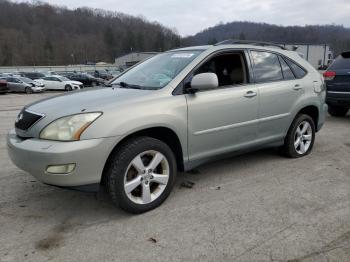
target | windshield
[{"x": 156, "y": 72}]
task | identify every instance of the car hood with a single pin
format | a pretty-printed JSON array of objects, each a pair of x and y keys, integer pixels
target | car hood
[
  {"x": 105, "y": 100},
  {"x": 86, "y": 100}
]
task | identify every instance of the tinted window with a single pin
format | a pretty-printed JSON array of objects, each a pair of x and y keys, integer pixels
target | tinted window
[
  {"x": 297, "y": 70},
  {"x": 266, "y": 67},
  {"x": 229, "y": 69},
  {"x": 287, "y": 72},
  {"x": 340, "y": 63}
]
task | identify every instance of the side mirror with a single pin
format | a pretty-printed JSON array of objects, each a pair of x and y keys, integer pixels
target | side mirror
[{"x": 204, "y": 81}]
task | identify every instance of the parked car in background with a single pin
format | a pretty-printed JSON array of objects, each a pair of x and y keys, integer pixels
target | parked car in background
[
  {"x": 102, "y": 74},
  {"x": 24, "y": 84},
  {"x": 174, "y": 111},
  {"x": 115, "y": 73},
  {"x": 57, "y": 82},
  {"x": 86, "y": 79},
  {"x": 32, "y": 75},
  {"x": 337, "y": 78},
  {"x": 3, "y": 86}
]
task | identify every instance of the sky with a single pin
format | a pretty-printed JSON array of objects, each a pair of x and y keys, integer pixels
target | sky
[{"x": 190, "y": 17}]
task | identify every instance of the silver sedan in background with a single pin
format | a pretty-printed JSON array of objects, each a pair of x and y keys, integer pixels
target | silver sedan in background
[{"x": 24, "y": 84}]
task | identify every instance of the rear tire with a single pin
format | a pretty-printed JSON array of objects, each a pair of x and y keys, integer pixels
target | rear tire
[
  {"x": 300, "y": 137},
  {"x": 133, "y": 164},
  {"x": 337, "y": 111}
]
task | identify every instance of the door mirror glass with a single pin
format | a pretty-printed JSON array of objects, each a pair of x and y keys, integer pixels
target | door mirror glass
[{"x": 204, "y": 81}]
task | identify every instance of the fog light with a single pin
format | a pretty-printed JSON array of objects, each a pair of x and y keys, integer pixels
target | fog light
[{"x": 60, "y": 169}]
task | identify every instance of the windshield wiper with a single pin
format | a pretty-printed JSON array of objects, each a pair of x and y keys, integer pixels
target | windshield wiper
[{"x": 126, "y": 85}]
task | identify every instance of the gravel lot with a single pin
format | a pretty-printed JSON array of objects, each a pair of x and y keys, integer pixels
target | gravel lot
[{"x": 255, "y": 207}]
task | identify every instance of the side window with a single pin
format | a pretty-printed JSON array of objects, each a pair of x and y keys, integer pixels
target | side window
[
  {"x": 47, "y": 78},
  {"x": 287, "y": 72},
  {"x": 230, "y": 69},
  {"x": 297, "y": 70},
  {"x": 266, "y": 68}
]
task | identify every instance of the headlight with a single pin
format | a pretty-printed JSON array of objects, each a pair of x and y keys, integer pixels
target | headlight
[{"x": 68, "y": 128}]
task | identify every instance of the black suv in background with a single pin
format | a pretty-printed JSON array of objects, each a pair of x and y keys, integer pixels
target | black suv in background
[
  {"x": 32, "y": 75},
  {"x": 102, "y": 74},
  {"x": 86, "y": 79},
  {"x": 337, "y": 79}
]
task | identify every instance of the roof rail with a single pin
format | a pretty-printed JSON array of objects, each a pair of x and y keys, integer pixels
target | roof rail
[{"x": 249, "y": 42}]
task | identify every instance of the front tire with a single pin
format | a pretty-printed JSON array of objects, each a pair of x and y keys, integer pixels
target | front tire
[
  {"x": 141, "y": 174},
  {"x": 300, "y": 137},
  {"x": 68, "y": 88},
  {"x": 28, "y": 90},
  {"x": 337, "y": 111}
]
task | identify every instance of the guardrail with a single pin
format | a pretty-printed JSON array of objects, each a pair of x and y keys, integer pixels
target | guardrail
[{"x": 68, "y": 68}]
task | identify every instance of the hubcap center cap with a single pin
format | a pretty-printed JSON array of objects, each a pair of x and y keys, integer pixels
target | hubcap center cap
[{"x": 148, "y": 175}]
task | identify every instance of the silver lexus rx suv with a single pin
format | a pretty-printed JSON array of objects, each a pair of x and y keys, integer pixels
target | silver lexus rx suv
[{"x": 171, "y": 113}]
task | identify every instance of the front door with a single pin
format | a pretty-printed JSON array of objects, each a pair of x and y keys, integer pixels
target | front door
[{"x": 223, "y": 119}]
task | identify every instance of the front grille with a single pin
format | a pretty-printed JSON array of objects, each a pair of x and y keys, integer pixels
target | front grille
[{"x": 26, "y": 119}]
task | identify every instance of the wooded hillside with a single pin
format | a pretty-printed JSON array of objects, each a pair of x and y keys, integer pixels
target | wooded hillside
[
  {"x": 41, "y": 34},
  {"x": 337, "y": 36}
]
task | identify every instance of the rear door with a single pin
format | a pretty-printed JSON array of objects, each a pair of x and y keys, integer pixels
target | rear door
[
  {"x": 57, "y": 83},
  {"x": 279, "y": 91},
  {"x": 49, "y": 82},
  {"x": 13, "y": 85}
]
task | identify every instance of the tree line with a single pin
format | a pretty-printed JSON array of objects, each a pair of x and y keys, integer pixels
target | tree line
[
  {"x": 41, "y": 34},
  {"x": 337, "y": 36},
  {"x": 37, "y": 33}
]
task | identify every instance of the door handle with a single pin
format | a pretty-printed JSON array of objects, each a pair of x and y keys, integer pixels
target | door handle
[
  {"x": 250, "y": 94},
  {"x": 297, "y": 87}
]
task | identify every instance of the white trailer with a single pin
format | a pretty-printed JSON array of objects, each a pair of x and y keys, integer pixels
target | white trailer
[
  {"x": 318, "y": 55},
  {"x": 132, "y": 58}
]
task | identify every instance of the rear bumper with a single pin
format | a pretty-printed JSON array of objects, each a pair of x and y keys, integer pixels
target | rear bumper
[
  {"x": 322, "y": 117},
  {"x": 35, "y": 155},
  {"x": 3, "y": 90},
  {"x": 340, "y": 99}
]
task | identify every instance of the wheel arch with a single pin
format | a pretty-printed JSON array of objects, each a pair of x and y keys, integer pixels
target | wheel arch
[
  {"x": 164, "y": 134},
  {"x": 312, "y": 111}
]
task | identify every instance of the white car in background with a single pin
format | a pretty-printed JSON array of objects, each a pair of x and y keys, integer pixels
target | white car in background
[{"x": 57, "y": 82}]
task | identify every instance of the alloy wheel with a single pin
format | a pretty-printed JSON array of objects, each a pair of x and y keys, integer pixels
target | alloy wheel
[
  {"x": 303, "y": 137},
  {"x": 146, "y": 177}
]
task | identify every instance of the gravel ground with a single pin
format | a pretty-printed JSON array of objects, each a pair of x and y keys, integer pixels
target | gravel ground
[{"x": 255, "y": 207}]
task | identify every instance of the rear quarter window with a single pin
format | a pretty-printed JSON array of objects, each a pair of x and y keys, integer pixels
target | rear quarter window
[
  {"x": 287, "y": 72},
  {"x": 298, "y": 71}
]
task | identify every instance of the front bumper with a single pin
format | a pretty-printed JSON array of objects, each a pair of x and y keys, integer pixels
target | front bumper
[
  {"x": 35, "y": 155},
  {"x": 38, "y": 89}
]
